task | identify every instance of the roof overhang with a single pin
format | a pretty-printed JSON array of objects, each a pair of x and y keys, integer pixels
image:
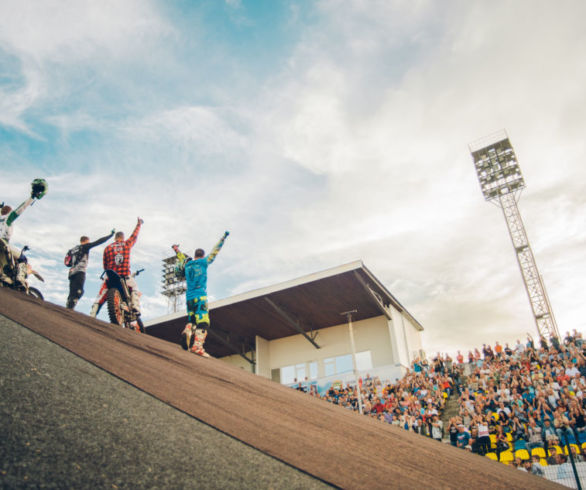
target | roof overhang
[{"x": 301, "y": 306}]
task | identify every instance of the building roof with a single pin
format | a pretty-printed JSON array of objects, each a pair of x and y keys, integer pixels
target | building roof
[{"x": 300, "y": 306}]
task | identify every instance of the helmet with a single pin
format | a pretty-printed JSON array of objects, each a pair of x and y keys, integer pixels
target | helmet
[{"x": 39, "y": 188}]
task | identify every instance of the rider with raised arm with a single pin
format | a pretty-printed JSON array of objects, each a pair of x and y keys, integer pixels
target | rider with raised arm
[
  {"x": 117, "y": 258},
  {"x": 7, "y": 218},
  {"x": 196, "y": 275},
  {"x": 80, "y": 255}
]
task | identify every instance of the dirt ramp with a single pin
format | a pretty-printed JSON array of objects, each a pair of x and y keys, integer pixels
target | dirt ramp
[{"x": 331, "y": 444}]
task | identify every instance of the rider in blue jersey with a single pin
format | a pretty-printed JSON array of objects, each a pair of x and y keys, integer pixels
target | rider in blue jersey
[{"x": 196, "y": 275}]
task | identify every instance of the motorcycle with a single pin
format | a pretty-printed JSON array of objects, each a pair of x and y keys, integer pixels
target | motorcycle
[
  {"x": 116, "y": 294},
  {"x": 18, "y": 270}
]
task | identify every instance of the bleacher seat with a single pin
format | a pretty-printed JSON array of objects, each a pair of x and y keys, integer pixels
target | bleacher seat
[
  {"x": 539, "y": 451},
  {"x": 582, "y": 437},
  {"x": 575, "y": 446},
  {"x": 520, "y": 444},
  {"x": 543, "y": 462},
  {"x": 558, "y": 450},
  {"x": 571, "y": 437},
  {"x": 509, "y": 437},
  {"x": 507, "y": 457},
  {"x": 523, "y": 454},
  {"x": 492, "y": 441},
  {"x": 492, "y": 456}
]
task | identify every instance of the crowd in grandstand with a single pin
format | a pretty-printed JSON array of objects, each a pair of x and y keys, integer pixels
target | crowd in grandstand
[{"x": 523, "y": 405}]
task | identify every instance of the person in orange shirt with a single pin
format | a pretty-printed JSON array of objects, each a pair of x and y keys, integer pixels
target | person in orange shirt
[{"x": 498, "y": 349}]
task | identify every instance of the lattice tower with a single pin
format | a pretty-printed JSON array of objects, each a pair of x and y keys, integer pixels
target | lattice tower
[
  {"x": 501, "y": 183},
  {"x": 173, "y": 287}
]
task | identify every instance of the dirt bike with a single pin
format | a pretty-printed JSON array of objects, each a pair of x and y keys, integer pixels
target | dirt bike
[
  {"x": 116, "y": 294},
  {"x": 18, "y": 271}
]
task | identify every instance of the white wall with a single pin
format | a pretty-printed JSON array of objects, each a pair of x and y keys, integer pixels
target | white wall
[
  {"x": 371, "y": 334},
  {"x": 263, "y": 357},
  {"x": 239, "y": 361},
  {"x": 413, "y": 339},
  {"x": 374, "y": 335}
]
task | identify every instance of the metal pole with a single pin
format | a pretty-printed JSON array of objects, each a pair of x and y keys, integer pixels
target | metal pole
[
  {"x": 348, "y": 315},
  {"x": 565, "y": 431}
]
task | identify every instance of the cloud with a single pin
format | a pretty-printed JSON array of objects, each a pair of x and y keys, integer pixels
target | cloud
[
  {"x": 45, "y": 36},
  {"x": 354, "y": 148}
]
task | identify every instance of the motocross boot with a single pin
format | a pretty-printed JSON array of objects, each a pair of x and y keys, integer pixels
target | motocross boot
[
  {"x": 200, "y": 338},
  {"x": 187, "y": 337},
  {"x": 21, "y": 274}
]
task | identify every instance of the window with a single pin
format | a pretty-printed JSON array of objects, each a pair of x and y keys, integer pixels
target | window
[
  {"x": 298, "y": 372},
  {"x": 338, "y": 365},
  {"x": 363, "y": 360},
  {"x": 344, "y": 364},
  {"x": 288, "y": 375},
  {"x": 330, "y": 366},
  {"x": 313, "y": 370}
]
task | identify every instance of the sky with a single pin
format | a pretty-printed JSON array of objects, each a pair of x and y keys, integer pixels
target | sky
[{"x": 316, "y": 132}]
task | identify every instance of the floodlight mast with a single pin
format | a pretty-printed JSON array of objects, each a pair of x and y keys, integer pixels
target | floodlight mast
[
  {"x": 501, "y": 183},
  {"x": 173, "y": 287}
]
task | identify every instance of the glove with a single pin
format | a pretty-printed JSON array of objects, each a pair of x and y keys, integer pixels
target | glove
[
  {"x": 226, "y": 233},
  {"x": 39, "y": 188},
  {"x": 113, "y": 231},
  {"x": 140, "y": 221}
]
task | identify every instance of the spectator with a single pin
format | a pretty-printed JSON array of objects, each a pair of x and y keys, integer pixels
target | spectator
[{"x": 463, "y": 437}]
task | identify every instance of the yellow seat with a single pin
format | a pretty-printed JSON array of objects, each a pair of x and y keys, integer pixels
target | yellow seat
[
  {"x": 539, "y": 451},
  {"x": 522, "y": 454},
  {"x": 493, "y": 441},
  {"x": 543, "y": 462},
  {"x": 551, "y": 451},
  {"x": 507, "y": 457},
  {"x": 492, "y": 456},
  {"x": 509, "y": 437},
  {"x": 575, "y": 446}
]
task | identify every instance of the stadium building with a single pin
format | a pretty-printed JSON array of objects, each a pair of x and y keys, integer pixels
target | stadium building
[{"x": 299, "y": 330}]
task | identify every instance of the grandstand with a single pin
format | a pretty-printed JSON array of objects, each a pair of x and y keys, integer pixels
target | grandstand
[
  {"x": 296, "y": 329},
  {"x": 86, "y": 404}
]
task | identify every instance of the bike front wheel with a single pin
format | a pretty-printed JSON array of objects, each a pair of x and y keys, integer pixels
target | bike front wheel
[
  {"x": 115, "y": 311},
  {"x": 35, "y": 293}
]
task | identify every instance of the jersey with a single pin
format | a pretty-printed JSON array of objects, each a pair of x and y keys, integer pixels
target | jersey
[
  {"x": 196, "y": 275},
  {"x": 81, "y": 254},
  {"x": 7, "y": 220},
  {"x": 196, "y": 272},
  {"x": 117, "y": 254}
]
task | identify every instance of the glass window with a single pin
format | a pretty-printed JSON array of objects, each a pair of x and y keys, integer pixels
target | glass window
[
  {"x": 344, "y": 364},
  {"x": 313, "y": 370},
  {"x": 300, "y": 372},
  {"x": 363, "y": 360},
  {"x": 288, "y": 375},
  {"x": 330, "y": 366}
]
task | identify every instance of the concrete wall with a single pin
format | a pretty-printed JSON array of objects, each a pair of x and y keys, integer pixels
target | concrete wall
[
  {"x": 413, "y": 339},
  {"x": 371, "y": 334},
  {"x": 391, "y": 343},
  {"x": 263, "y": 357},
  {"x": 239, "y": 361}
]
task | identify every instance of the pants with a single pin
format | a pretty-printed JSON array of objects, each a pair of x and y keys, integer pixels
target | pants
[
  {"x": 197, "y": 312},
  {"x": 134, "y": 293},
  {"x": 76, "y": 282},
  {"x": 5, "y": 251},
  {"x": 484, "y": 445}
]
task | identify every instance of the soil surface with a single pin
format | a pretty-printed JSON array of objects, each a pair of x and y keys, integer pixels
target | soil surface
[{"x": 322, "y": 440}]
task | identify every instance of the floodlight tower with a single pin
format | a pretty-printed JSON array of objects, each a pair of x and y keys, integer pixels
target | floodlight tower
[
  {"x": 501, "y": 183},
  {"x": 173, "y": 287}
]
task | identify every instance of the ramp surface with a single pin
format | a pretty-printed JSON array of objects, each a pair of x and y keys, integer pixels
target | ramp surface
[
  {"x": 325, "y": 441},
  {"x": 66, "y": 423}
]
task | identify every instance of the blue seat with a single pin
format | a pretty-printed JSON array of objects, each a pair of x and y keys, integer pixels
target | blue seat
[
  {"x": 582, "y": 437},
  {"x": 571, "y": 437},
  {"x": 520, "y": 444}
]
